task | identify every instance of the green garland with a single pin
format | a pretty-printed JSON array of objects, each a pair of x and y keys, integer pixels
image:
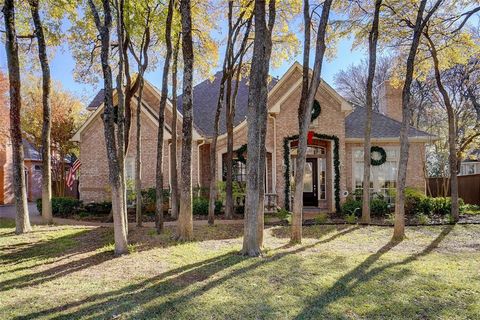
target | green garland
[
  {"x": 383, "y": 156},
  {"x": 336, "y": 165},
  {"x": 241, "y": 154},
  {"x": 316, "y": 109}
]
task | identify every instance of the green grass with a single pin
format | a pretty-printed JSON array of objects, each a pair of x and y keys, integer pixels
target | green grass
[{"x": 338, "y": 272}]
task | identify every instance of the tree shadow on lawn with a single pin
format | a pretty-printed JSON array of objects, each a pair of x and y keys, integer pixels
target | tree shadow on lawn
[
  {"x": 345, "y": 285},
  {"x": 146, "y": 238},
  {"x": 166, "y": 284},
  {"x": 313, "y": 232}
]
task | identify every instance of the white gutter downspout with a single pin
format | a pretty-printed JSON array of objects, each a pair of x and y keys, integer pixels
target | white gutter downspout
[
  {"x": 274, "y": 156},
  {"x": 198, "y": 161}
]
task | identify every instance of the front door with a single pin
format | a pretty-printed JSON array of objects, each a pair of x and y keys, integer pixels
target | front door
[{"x": 310, "y": 183}]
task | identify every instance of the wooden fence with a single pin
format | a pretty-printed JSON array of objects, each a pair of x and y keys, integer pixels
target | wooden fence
[{"x": 468, "y": 188}]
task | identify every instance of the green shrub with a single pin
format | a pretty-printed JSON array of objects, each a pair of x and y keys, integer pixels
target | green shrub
[
  {"x": 284, "y": 215},
  {"x": 351, "y": 218},
  {"x": 423, "y": 218},
  {"x": 149, "y": 196},
  {"x": 379, "y": 207},
  {"x": 321, "y": 218},
  {"x": 352, "y": 206},
  {"x": 98, "y": 208},
  {"x": 416, "y": 202},
  {"x": 218, "y": 206},
  {"x": 62, "y": 206},
  {"x": 200, "y": 206}
]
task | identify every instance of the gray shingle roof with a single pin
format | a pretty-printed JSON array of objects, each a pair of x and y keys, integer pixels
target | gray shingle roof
[
  {"x": 205, "y": 95},
  {"x": 97, "y": 100},
  {"x": 30, "y": 152},
  {"x": 382, "y": 126}
]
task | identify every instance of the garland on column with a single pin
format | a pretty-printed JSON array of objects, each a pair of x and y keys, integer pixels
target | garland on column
[
  {"x": 336, "y": 166},
  {"x": 241, "y": 154}
]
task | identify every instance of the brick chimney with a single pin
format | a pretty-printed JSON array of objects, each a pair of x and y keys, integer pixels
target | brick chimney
[{"x": 390, "y": 100}]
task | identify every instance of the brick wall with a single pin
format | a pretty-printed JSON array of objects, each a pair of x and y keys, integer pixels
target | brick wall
[{"x": 94, "y": 185}]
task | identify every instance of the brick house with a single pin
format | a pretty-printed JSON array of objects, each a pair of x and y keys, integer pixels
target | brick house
[
  {"x": 32, "y": 167},
  {"x": 334, "y": 158}
]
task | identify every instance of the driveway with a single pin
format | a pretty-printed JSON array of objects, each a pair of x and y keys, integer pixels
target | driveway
[{"x": 8, "y": 211}]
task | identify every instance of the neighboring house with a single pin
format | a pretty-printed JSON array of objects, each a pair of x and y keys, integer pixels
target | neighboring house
[
  {"x": 33, "y": 172},
  {"x": 334, "y": 157},
  {"x": 471, "y": 164}
]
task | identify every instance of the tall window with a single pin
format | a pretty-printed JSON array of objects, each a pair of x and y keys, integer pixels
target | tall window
[
  {"x": 239, "y": 171},
  {"x": 383, "y": 178},
  {"x": 130, "y": 168}
]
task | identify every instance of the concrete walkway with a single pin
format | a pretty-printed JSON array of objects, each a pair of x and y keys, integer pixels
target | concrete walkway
[{"x": 8, "y": 211}]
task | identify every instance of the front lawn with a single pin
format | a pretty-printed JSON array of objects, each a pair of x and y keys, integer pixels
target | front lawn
[{"x": 339, "y": 272}]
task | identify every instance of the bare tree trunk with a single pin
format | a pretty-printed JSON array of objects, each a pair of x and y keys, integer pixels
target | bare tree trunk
[
  {"x": 22, "y": 219},
  {"x": 173, "y": 150},
  {"x": 138, "y": 156},
  {"x": 304, "y": 122},
  {"x": 452, "y": 131},
  {"x": 121, "y": 111},
  {"x": 118, "y": 208},
  {"x": 161, "y": 120},
  {"x": 142, "y": 66},
  {"x": 297, "y": 218},
  {"x": 229, "y": 159},
  {"x": 372, "y": 49},
  {"x": 47, "y": 122},
  {"x": 257, "y": 108},
  {"x": 213, "y": 148},
  {"x": 185, "y": 218},
  {"x": 399, "y": 225},
  {"x": 129, "y": 93}
]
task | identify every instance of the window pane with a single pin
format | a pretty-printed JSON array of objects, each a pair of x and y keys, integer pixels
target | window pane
[{"x": 308, "y": 178}]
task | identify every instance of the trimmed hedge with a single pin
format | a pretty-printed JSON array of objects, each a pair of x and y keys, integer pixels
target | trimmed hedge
[
  {"x": 417, "y": 203},
  {"x": 62, "y": 206}
]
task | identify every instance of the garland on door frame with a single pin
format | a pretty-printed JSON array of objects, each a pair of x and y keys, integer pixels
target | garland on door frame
[
  {"x": 241, "y": 154},
  {"x": 383, "y": 156},
  {"x": 316, "y": 109},
  {"x": 336, "y": 166}
]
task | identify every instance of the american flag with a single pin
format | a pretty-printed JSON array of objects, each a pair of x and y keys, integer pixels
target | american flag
[{"x": 71, "y": 173}]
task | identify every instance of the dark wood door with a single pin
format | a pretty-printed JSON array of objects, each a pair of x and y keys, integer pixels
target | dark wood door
[{"x": 310, "y": 183}]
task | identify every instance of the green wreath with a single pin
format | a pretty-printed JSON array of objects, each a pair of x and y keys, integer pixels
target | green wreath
[
  {"x": 316, "y": 109},
  {"x": 241, "y": 154},
  {"x": 383, "y": 156}
]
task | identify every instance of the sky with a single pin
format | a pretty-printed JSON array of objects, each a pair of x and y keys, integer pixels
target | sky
[{"x": 62, "y": 66}]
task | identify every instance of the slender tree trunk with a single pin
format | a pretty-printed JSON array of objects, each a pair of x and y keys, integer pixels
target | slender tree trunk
[
  {"x": 213, "y": 150},
  {"x": 185, "y": 218},
  {"x": 129, "y": 92},
  {"x": 22, "y": 219},
  {"x": 173, "y": 150},
  {"x": 138, "y": 156},
  {"x": 399, "y": 225},
  {"x": 257, "y": 107},
  {"x": 372, "y": 50},
  {"x": 47, "y": 122},
  {"x": 161, "y": 120},
  {"x": 304, "y": 122},
  {"x": 121, "y": 112},
  {"x": 229, "y": 159},
  {"x": 118, "y": 208},
  {"x": 297, "y": 218},
  {"x": 452, "y": 156}
]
